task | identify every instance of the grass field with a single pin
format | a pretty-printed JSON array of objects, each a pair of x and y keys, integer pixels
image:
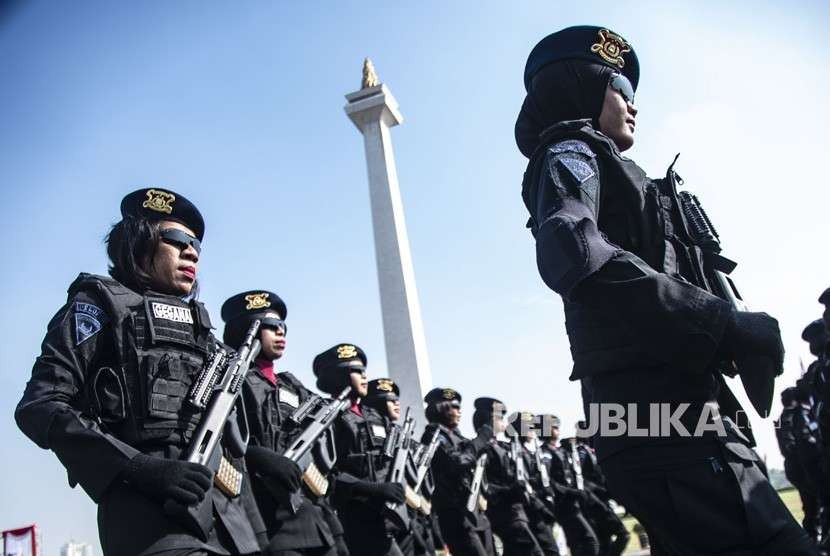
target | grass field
[{"x": 789, "y": 496}]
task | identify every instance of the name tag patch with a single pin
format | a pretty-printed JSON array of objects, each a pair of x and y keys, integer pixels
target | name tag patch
[
  {"x": 89, "y": 319},
  {"x": 288, "y": 397},
  {"x": 172, "y": 312},
  {"x": 379, "y": 431}
]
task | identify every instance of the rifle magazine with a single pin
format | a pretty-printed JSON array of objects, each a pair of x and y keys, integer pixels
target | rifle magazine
[
  {"x": 228, "y": 479},
  {"x": 315, "y": 481},
  {"x": 413, "y": 500}
]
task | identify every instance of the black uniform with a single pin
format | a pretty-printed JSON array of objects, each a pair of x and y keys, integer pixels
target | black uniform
[
  {"x": 506, "y": 500},
  {"x": 109, "y": 385},
  {"x": 569, "y": 499},
  {"x": 642, "y": 328},
  {"x": 359, "y": 436},
  {"x": 268, "y": 407},
  {"x": 541, "y": 510},
  {"x": 464, "y": 534},
  {"x": 799, "y": 442},
  {"x": 609, "y": 528}
]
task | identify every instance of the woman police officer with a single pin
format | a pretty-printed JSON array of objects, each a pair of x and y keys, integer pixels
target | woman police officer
[{"x": 108, "y": 391}]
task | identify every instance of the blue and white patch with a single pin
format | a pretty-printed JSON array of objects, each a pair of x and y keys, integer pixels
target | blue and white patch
[
  {"x": 89, "y": 319},
  {"x": 572, "y": 146},
  {"x": 579, "y": 169}
]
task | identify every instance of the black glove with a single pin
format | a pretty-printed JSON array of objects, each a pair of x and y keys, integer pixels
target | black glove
[
  {"x": 168, "y": 479},
  {"x": 752, "y": 335},
  {"x": 269, "y": 463},
  {"x": 483, "y": 438},
  {"x": 517, "y": 491},
  {"x": 388, "y": 492}
]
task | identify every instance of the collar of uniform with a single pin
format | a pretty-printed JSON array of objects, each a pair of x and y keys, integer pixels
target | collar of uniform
[
  {"x": 355, "y": 408},
  {"x": 266, "y": 369}
]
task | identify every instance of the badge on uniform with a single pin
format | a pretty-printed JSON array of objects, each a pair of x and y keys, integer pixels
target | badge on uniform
[
  {"x": 89, "y": 319},
  {"x": 288, "y": 397},
  {"x": 379, "y": 431}
]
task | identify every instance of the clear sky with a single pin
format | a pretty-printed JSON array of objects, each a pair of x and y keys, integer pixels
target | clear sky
[{"x": 239, "y": 106}]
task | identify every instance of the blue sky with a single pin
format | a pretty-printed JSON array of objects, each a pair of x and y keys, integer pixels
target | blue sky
[{"x": 239, "y": 106}]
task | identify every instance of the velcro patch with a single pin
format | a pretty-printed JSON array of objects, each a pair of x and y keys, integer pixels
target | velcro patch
[
  {"x": 89, "y": 319},
  {"x": 288, "y": 397},
  {"x": 379, "y": 431},
  {"x": 572, "y": 146},
  {"x": 579, "y": 169},
  {"x": 172, "y": 312}
]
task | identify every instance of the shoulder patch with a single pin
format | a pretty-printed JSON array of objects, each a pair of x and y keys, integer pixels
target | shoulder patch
[
  {"x": 572, "y": 146},
  {"x": 579, "y": 169},
  {"x": 89, "y": 320}
]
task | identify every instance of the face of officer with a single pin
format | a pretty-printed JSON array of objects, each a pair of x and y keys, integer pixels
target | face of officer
[
  {"x": 175, "y": 264},
  {"x": 553, "y": 436},
  {"x": 616, "y": 120},
  {"x": 393, "y": 409},
  {"x": 453, "y": 414},
  {"x": 272, "y": 339},
  {"x": 499, "y": 424},
  {"x": 358, "y": 382}
]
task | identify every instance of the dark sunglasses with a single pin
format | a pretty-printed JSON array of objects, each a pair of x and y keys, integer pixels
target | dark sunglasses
[
  {"x": 178, "y": 238},
  {"x": 622, "y": 85},
  {"x": 273, "y": 322}
]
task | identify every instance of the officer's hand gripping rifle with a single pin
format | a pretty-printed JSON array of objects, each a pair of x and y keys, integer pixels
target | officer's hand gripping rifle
[
  {"x": 397, "y": 472},
  {"x": 302, "y": 450},
  {"x": 217, "y": 389},
  {"x": 423, "y": 459},
  {"x": 759, "y": 382}
]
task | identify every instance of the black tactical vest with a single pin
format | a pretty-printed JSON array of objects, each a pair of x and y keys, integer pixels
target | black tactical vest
[
  {"x": 161, "y": 345},
  {"x": 638, "y": 214}
]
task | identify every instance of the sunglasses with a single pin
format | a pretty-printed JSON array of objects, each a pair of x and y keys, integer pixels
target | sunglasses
[
  {"x": 275, "y": 323},
  {"x": 178, "y": 238},
  {"x": 622, "y": 85}
]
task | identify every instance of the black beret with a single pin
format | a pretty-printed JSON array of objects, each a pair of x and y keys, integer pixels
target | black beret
[
  {"x": 339, "y": 357},
  {"x": 253, "y": 302},
  {"x": 824, "y": 298},
  {"x": 381, "y": 388},
  {"x": 584, "y": 42},
  {"x": 814, "y": 331},
  {"x": 490, "y": 405},
  {"x": 441, "y": 395},
  {"x": 161, "y": 204}
]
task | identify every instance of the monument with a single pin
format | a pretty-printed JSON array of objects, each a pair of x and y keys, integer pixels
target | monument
[{"x": 374, "y": 110}]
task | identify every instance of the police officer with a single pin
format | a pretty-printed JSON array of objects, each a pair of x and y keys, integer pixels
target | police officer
[
  {"x": 540, "y": 505},
  {"x": 108, "y": 391},
  {"x": 798, "y": 441},
  {"x": 816, "y": 336},
  {"x": 271, "y": 398},
  {"x": 609, "y": 528},
  {"x": 453, "y": 466},
  {"x": 506, "y": 497},
  {"x": 570, "y": 497},
  {"x": 642, "y": 326},
  {"x": 360, "y": 489},
  {"x": 383, "y": 395}
]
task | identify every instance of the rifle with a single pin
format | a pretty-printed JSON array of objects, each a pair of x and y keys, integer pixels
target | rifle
[
  {"x": 422, "y": 457},
  {"x": 300, "y": 451},
  {"x": 521, "y": 471},
  {"x": 402, "y": 437},
  {"x": 219, "y": 397},
  {"x": 547, "y": 496},
  {"x": 760, "y": 383},
  {"x": 475, "y": 500},
  {"x": 577, "y": 465}
]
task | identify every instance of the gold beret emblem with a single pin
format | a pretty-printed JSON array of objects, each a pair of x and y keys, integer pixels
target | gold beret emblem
[
  {"x": 257, "y": 301},
  {"x": 159, "y": 201},
  {"x": 611, "y": 47},
  {"x": 346, "y": 351},
  {"x": 385, "y": 385},
  {"x": 449, "y": 393}
]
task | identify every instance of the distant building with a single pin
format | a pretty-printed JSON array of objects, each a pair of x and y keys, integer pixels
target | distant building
[{"x": 73, "y": 548}]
